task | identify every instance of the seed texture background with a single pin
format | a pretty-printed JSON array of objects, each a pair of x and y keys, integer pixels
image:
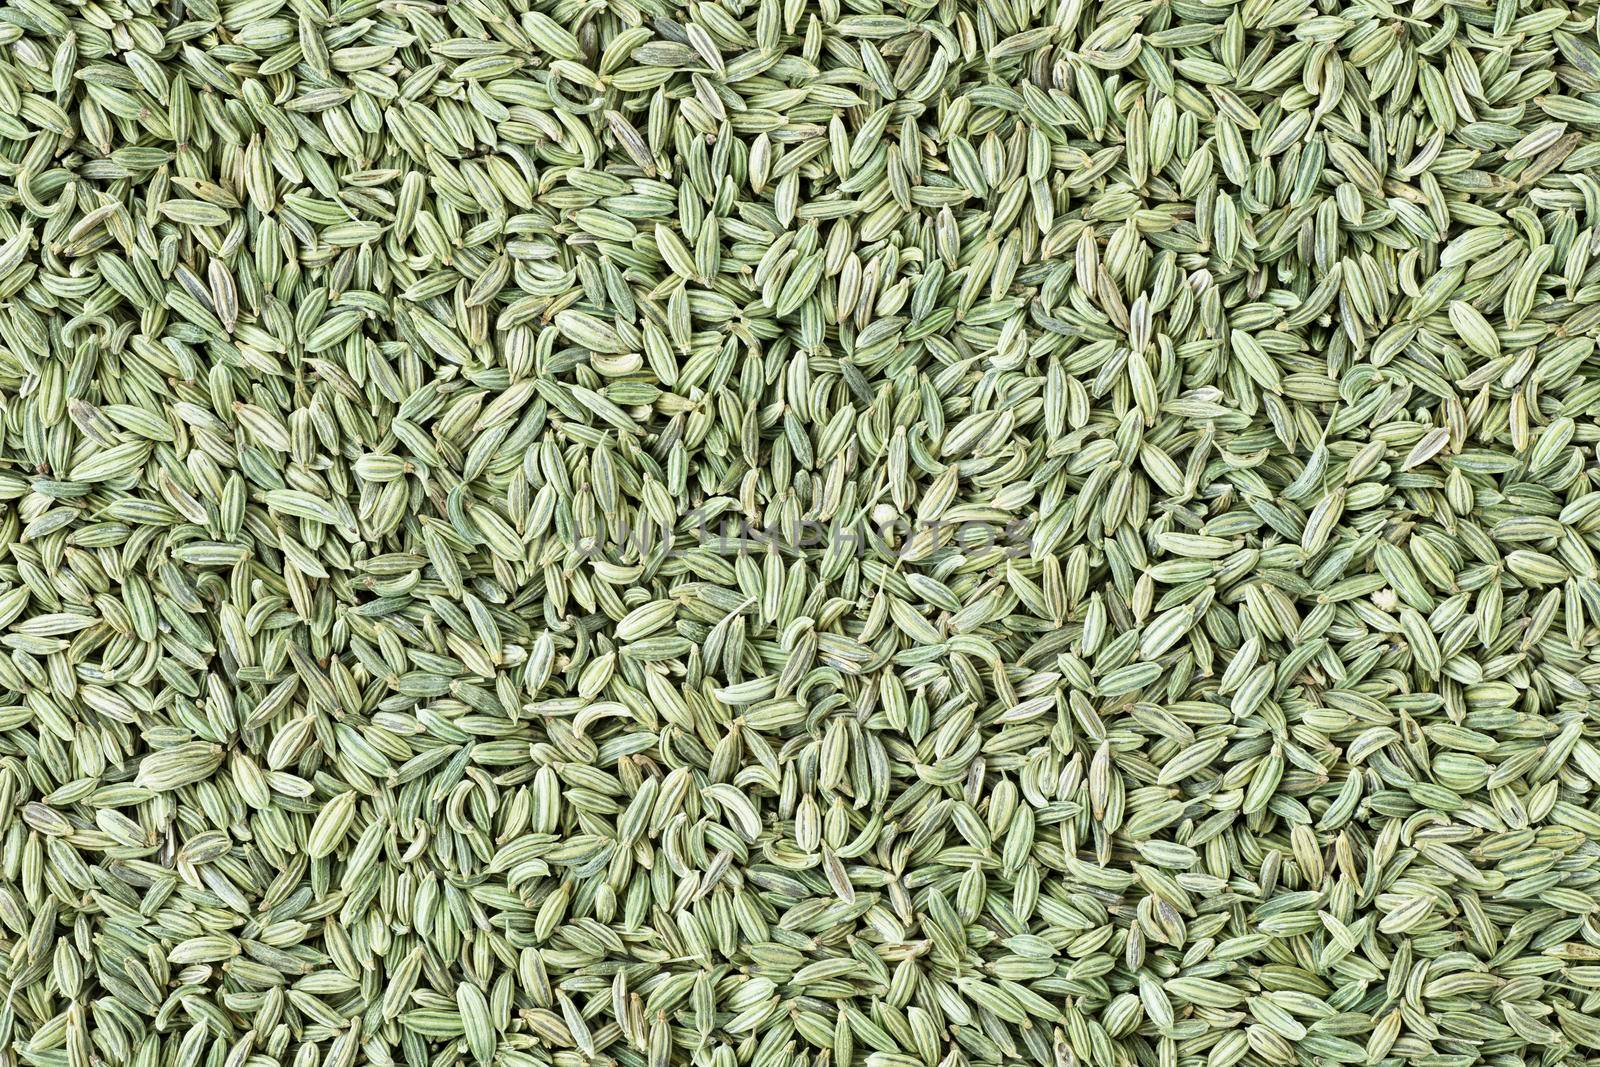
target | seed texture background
[{"x": 799, "y": 533}]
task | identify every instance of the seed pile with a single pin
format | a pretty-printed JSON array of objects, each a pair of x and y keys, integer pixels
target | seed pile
[{"x": 918, "y": 533}]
